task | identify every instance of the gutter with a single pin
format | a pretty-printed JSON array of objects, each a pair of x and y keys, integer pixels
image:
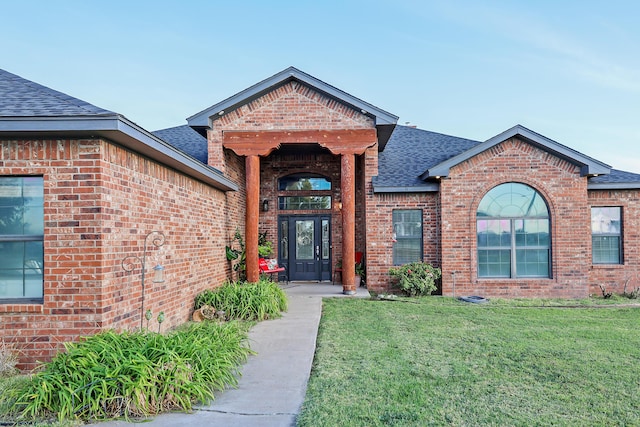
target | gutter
[
  {"x": 429, "y": 188},
  {"x": 614, "y": 186}
]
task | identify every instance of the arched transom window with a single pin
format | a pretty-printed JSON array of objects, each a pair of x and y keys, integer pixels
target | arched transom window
[{"x": 513, "y": 233}]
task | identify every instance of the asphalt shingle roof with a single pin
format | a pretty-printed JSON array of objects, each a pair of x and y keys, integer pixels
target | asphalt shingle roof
[
  {"x": 23, "y": 98},
  {"x": 616, "y": 176},
  {"x": 185, "y": 139},
  {"x": 412, "y": 151}
]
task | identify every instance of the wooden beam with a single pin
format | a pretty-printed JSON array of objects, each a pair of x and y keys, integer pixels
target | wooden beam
[{"x": 262, "y": 143}]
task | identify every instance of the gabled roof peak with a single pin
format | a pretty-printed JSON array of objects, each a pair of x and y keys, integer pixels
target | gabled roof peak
[
  {"x": 384, "y": 121},
  {"x": 588, "y": 165}
]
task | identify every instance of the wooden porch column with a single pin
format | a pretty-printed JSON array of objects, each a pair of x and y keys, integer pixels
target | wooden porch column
[
  {"x": 252, "y": 167},
  {"x": 348, "y": 187}
]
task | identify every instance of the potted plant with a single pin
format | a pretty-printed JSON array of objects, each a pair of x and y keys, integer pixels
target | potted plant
[
  {"x": 265, "y": 247},
  {"x": 265, "y": 250},
  {"x": 360, "y": 274}
]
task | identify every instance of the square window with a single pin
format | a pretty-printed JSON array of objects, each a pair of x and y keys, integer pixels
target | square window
[{"x": 606, "y": 235}]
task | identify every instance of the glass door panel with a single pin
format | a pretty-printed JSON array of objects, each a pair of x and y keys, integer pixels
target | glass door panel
[
  {"x": 326, "y": 242},
  {"x": 305, "y": 241}
]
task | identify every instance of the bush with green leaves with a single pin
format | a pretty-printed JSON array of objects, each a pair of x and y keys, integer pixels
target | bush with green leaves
[
  {"x": 416, "y": 278},
  {"x": 246, "y": 301},
  {"x": 135, "y": 374}
]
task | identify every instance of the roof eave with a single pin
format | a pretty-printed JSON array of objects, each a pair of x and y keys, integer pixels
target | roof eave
[
  {"x": 118, "y": 129},
  {"x": 435, "y": 172}
]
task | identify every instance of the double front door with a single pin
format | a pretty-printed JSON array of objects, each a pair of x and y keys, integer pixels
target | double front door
[{"x": 305, "y": 246}]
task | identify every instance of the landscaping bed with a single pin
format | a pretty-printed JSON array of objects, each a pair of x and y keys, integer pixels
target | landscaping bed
[{"x": 137, "y": 374}]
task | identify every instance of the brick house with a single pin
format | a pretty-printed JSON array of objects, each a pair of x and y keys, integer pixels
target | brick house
[{"x": 321, "y": 172}]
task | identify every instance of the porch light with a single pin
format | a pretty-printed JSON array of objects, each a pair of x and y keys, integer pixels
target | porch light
[
  {"x": 265, "y": 205},
  {"x": 158, "y": 274}
]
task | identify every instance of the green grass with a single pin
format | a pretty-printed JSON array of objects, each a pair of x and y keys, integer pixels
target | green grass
[{"x": 437, "y": 361}]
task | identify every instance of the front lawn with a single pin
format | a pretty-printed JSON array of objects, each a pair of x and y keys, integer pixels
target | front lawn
[{"x": 437, "y": 361}]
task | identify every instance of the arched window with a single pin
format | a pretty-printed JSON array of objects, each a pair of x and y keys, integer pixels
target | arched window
[
  {"x": 513, "y": 233},
  {"x": 304, "y": 191}
]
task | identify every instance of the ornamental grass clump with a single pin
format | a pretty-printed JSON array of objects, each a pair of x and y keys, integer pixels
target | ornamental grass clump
[
  {"x": 416, "y": 278},
  {"x": 8, "y": 359},
  {"x": 245, "y": 301},
  {"x": 135, "y": 374}
]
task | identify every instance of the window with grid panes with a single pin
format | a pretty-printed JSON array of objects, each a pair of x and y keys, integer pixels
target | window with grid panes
[
  {"x": 407, "y": 232},
  {"x": 21, "y": 238},
  {"x": 606, "y": 235},
  {"x": 513, "y": 233}
]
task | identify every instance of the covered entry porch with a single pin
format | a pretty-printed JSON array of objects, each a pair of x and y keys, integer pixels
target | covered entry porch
[
  {"x": 293, "y": 123},
  {"x": 305, "y": 238}
]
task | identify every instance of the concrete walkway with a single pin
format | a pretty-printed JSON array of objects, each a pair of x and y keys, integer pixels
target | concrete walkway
[{"x": 274, "y": 382}]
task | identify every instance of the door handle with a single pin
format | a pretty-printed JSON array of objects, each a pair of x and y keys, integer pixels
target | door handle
[{"x": 317, "y": 252}]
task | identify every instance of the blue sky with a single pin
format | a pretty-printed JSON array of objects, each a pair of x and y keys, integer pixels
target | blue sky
[{"x": 569, "y": 70}]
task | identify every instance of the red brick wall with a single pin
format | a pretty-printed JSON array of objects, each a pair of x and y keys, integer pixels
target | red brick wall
[
  {"x": 100, "y": 201},
  {"x": 380, "y": 209},
  {"x": 292, "y": 106},
  {"x": 361, "y": 197},
  {"x": 614, "y": 277},
  {"x": 557, "y": 181},
  {"x": 235, "y": 202},
  {"x": 191, "y": 215},
  {"x": 72, "y": 248}
]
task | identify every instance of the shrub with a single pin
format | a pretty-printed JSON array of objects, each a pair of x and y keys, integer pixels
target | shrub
[
  {"x": 246, "y": 301},
  {"x": 135, "y": 374},
  {"x": 416, "y": 278}
]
